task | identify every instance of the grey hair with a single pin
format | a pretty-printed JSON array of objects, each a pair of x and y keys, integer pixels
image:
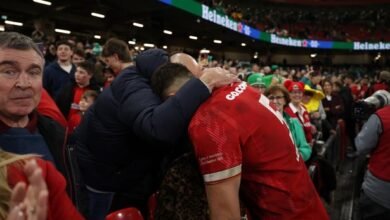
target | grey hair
[{"x": 17, "y": 41}]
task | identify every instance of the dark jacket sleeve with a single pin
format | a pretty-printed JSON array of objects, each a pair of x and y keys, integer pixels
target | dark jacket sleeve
[
  {"x": 47, "y": 80},
  {"x": 168, "y": 121},
  {"x": 65, "y": 98}
]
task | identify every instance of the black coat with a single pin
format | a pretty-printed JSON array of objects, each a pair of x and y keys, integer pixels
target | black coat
[{"x": 128, "y": 131}]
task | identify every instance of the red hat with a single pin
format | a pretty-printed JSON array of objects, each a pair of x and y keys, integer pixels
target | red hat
[{"x": 291, "y": 85}]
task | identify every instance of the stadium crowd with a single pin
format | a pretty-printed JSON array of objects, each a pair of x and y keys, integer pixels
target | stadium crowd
[
  {"x": 111, "y": 124},
  {"x": 307, "y": 22}
]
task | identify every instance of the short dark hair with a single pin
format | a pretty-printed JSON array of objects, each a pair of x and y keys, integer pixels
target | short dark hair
[
  {"x": 64, "y": 42},
  {"x": 17, "y": 41},
  {"x": 116, "y": 46},
  {"x": 90, "y": 93},
  {"x": 79, "y": 52},
  {"x": 166, "y": 75},
  {"x": 88, "y": 66},
  {"x": 281, "y": 88}
]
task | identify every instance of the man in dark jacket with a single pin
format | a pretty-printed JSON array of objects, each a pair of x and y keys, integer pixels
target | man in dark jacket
[
  {"x": 61, "y": 72},
  {"x": 126, "y": 135}
]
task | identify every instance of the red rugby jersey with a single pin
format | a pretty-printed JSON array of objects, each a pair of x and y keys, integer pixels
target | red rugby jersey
[{"x": 237, "y": 132}]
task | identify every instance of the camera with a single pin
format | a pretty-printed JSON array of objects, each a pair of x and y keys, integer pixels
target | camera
[{"x": 364, "y": 108}]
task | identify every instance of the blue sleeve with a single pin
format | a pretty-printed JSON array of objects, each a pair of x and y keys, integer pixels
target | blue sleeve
[
  {"x": 167, "y": 121},
  {"x": 367, "y": 139}
]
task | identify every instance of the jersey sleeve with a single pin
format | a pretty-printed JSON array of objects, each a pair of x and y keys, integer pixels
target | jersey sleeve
[{"x": 216, "y": 143}]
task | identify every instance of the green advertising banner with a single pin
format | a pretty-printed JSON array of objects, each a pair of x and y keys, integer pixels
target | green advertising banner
[{"x": 223, "y": 20}]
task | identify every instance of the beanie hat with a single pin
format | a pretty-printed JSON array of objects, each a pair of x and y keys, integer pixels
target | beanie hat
[
  {"x": 291, "y": 85},
  {"x": 258, "y": 79}
]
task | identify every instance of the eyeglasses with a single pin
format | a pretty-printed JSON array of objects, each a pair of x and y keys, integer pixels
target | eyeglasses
[{"x": 275, "y": 97}]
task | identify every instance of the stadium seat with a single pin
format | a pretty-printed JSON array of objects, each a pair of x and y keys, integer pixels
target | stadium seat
[
  {"x": 125, "y": 214},
  {"x": 152, "y": 204}
]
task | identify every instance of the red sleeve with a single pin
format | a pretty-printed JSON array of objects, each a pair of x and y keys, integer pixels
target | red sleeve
[
  {"x": 217, "y": 145},
  {"x": 60, "y": 205},
  {"x": 48, "y": 107}
]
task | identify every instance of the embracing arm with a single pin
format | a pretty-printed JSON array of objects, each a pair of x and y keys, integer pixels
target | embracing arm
[{"x": 168, "y": 121}]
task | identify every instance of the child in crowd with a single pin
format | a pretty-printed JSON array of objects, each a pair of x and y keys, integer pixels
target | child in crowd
[{"x": 87, "y": 99}]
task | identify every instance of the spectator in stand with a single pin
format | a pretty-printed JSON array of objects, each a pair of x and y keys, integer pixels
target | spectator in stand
[
  {"x": 279, "y": 95},
  {"x": 382, "y": 83},
  {"x": 333, "y": 104},
  {"x": 373, "y": 139},
  {"x": 38, "y": 190},
  {"x": 259, "y": 82},
  {"x": 255, "y": 68},
  {"x": 313, "y": 79},
  {"x": 235, "y": 165},
  {"x": 363, "y": 87},
  {"x": 349, "y": 80},
  {"x": 23, "y": 130},
  {"x": 51, "y": 54},
  {"x": 70, "y": 95},
  {"x": 123, "y": 138},
  {"x": 78, "y": 56},
  {"x": 87, "y": 100},
  {"x": 346, "y": 95},
  {"x": 295, "y": 108},
  {"x": 109, "y": 77},
  {"x": 59, "y": 73}
]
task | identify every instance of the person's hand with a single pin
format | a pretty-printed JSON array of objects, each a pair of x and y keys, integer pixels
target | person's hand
[
  {"x": 30, "y": 203},
  {"x": 313, "y": 129},
  {"x": 217, "y": 77},
  {"x": 315, "y": 115}
]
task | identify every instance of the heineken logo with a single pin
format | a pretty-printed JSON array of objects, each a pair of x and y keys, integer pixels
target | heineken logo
[
  {"x": 223, "y": 20},
  {"x": 371, "y": 46},
  {"x": 286, "y": 41}
]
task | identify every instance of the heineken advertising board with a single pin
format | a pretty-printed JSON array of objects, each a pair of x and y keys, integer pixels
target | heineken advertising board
[{"x": 223, "y": 20}]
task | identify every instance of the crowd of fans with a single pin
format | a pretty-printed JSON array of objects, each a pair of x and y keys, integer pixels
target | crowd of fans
[
  {"x": 338, "y": 24},
  {"x": 119, "y": 110}
]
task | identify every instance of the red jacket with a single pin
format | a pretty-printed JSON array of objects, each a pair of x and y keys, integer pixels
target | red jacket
[
  {"x": 380, "y": 157},
  {"x": 304, "y": 119},
  {"x": 60, "y": 206}
]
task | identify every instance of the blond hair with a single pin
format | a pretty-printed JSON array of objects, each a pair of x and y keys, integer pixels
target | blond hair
[{"x": 6, "y": 159}]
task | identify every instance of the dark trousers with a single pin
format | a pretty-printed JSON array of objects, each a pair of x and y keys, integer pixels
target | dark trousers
[
  {"x": 370, "y": 210},
  {"x": 99, "y": 205}
]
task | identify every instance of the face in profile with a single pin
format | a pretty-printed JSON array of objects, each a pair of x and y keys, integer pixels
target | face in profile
[{"x": 86, "y": 102}]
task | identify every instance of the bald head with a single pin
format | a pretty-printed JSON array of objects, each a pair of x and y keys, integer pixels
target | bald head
[{"x": 187, "y": 61}]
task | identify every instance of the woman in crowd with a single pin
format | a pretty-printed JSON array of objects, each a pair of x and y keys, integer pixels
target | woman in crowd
[
  {"x": 38, "y": 190},
  {"x": 280, "y": 97},
  {"x": 295, "y": 108},
  {"x": 333, "y": 104}
]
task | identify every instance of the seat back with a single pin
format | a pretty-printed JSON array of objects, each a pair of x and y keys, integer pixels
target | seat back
[{"x": 125, "y": 214}]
